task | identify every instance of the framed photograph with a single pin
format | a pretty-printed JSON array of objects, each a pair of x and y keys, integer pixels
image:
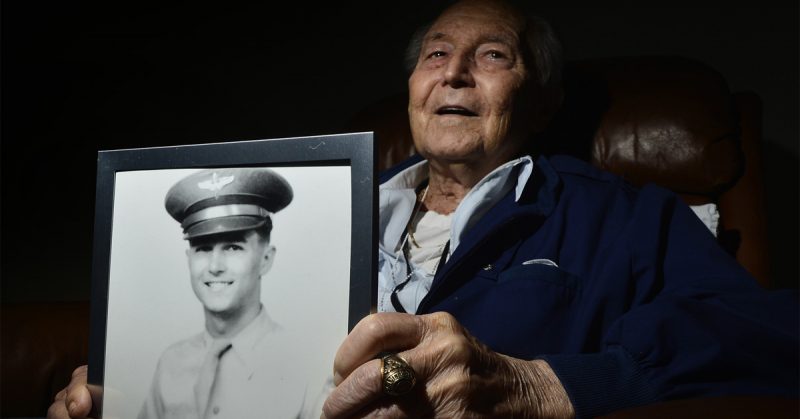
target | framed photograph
[{"x": 226, "y": 275}]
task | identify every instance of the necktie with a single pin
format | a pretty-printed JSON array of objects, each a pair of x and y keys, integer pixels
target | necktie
[{"x": 208, "y": 374}]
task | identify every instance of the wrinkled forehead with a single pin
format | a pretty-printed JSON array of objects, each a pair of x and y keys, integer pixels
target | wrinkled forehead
[{"x": 492, "y": 20}]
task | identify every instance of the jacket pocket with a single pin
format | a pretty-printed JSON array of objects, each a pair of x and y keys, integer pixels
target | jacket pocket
[{"x": 538, "y": 272}]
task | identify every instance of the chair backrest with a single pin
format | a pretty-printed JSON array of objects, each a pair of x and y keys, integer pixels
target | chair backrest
[{"x": 662, "y": 119}]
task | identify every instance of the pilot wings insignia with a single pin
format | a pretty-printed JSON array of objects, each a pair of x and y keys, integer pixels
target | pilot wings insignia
[{"x": 216, "y": 183}]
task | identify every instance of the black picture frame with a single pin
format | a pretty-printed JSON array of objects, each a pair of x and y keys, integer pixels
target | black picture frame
[{"x": 355, "y": 152}]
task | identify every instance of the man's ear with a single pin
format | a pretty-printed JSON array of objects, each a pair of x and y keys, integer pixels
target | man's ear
[{"x": 266, "y": 259}]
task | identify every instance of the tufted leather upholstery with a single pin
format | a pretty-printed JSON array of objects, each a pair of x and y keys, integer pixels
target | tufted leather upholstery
[{"x": 668, "y": 120}]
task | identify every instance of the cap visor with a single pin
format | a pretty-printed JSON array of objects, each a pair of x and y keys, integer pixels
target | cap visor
[{"x": 222, "y": 225}]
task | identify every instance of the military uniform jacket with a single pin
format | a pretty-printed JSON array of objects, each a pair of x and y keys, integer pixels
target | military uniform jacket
[
  {"x": 258, "y": 376},
  {"x": 639, "y": 305}
]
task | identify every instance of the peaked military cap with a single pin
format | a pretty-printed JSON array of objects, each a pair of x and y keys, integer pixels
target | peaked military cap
[{"x": 217, "y": 201}]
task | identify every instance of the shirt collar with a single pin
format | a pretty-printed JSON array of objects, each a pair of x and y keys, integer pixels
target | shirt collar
[
  {"x": 414, "y": 175},
  {"x": 244, "y": 343},
  {"x": 487, "y": 192},
  {"x": 398, "y": 197}
]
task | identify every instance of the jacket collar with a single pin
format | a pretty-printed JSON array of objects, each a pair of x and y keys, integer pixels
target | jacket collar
[{"x": 538, "y": 200}]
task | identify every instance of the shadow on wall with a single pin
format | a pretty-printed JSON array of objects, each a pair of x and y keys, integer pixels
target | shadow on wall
[{"x": 782, "y": 184}]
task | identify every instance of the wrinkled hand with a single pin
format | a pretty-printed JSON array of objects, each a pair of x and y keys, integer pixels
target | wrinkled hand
[
  {"x": 457, "y": 376},
  {"x": 74, "y": 401}
]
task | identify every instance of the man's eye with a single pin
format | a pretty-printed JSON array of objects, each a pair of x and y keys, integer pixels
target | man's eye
[
  {"x": 437, "y": 54},
  {"x": 496, "y": 55},
  {"x": 233, "y": 247},
  {"x": 200, "y": 249}
]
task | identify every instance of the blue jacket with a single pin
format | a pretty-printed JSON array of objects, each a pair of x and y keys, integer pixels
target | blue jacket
[{"x": 643, "y": 306}]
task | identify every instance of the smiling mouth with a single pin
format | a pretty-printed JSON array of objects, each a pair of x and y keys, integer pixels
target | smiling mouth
[
  {"x": 455, "y": 110},
  {"x": 217, "y": 285}
]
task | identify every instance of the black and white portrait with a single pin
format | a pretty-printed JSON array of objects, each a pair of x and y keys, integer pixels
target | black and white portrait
[{"x": 228, "y": 291}]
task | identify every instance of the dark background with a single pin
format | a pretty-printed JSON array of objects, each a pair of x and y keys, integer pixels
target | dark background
[{"x": 78, "y": 77}]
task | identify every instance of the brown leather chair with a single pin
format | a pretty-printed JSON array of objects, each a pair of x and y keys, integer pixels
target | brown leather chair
[{"x": 662, "y": 119}]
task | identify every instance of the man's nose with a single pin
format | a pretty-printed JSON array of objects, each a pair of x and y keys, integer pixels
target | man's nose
[
  {"x": 216, "y": 263},
  {"x": 458, "y": 71}
]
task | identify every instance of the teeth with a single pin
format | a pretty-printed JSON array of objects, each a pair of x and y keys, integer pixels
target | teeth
[{"x": 216, "y": 286}]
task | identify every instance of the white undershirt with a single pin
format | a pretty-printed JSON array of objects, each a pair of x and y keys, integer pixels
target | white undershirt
[{"x": 429, "y": 233}]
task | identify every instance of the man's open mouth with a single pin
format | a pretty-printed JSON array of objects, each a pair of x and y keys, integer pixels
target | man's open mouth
[
  {"x": 455, "y": 110},
  {"x": 217, "y": 285}
]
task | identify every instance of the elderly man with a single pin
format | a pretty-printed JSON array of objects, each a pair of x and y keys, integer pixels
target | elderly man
[
  {"x": 541, "y": 288},
  {"x": 567, "y": 292}
]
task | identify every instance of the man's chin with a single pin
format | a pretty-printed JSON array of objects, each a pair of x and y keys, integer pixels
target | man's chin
[
  {"x": 217, "y": 304},
  {"x": 220, "y": 311},
  {"x": 453, "y": 155}
]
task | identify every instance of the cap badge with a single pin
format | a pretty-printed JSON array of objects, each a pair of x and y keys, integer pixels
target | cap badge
[{"x": 216, "y": 183}]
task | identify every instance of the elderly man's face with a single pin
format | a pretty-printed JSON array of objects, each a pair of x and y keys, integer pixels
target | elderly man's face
[
  {"x": 226, "y": 270},
  {"x": 469, "y": 88}
]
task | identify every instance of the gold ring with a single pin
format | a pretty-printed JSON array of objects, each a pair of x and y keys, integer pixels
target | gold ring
[{"x": 398, "y": 377}]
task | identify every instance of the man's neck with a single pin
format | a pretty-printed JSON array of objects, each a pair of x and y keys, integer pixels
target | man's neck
[
  {"x": 444, "y": 192},
  {"x": 449, "y": 182},
  {"x": 229, "y": 324}
]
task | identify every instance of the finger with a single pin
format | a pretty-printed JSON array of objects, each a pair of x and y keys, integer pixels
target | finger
[
  {"x": 360, "y": 388},
  {"x": 61, "y": 395},
  {"x": 373, "y": 334},
  {"x": 384, "y": 409},
  {"x": 58, "y": 410},
  {"x": 434, "y": 342},
  {"x": 78, "y": 400},
  {"x": 361, "y": 395}
]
